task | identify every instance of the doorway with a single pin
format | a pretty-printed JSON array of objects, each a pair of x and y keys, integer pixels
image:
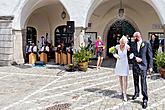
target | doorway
[
  {"x": 116, "y": 31},
  {"x": 31, "y": 35},
  {"x": 61, "y": 35}
]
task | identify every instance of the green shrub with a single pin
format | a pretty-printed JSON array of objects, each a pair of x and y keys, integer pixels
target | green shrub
[
  {"x": 160, "y": 60},
  {"x": 82, "y": 55}
]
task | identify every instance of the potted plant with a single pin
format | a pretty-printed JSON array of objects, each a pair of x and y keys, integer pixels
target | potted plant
[
  {"x": 82, "y": 57},
  {"x": 160, "y": 62},
  {"x": 70, "y": 68}
]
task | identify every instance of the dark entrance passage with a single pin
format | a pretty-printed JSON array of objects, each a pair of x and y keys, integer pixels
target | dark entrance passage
[
  {"x": 31, "y": 35},
  {"x": 61, "y": 34},
  {"x": 117, "y": 29}
]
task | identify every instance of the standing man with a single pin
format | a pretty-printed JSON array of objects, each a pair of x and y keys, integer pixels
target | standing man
[
  {"x": 141, "y": 54},
  {"x": 27, "y": 50},
  {"x": 34, "y": 49},
  {"x": 42, "y": 42},
  {"x": 45, "y": 48}
]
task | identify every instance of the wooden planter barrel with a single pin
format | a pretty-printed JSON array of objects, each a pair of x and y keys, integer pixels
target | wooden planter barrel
[
  {"x": 58, "y": 57},
  {"x": 69, "y": 58},
  {"x": 64, "y": 58},
  {"x": 32, "y": 58},
  {"x": 44, "y": 57},
  {"x": 83, "y": 66},
  {"x": 162, "y": 72}
]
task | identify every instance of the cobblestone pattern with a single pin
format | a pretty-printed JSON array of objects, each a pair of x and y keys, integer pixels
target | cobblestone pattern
[{"x": 50, "y": 87}]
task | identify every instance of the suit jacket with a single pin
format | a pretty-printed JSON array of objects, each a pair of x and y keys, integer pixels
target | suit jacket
[{"x": 145, "y": 53}]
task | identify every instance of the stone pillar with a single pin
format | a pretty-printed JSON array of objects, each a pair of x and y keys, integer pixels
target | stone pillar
[
  {"x": 24, "y": 43},
  {"x": 19, "y": 45},
  {"x": 79, "y": 37},
  {"x": 6, "y": 40},
  {"x": 164, "y": 35}
]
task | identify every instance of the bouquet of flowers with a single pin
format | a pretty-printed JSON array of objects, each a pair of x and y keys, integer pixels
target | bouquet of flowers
[{"x": 112, "y": 50}]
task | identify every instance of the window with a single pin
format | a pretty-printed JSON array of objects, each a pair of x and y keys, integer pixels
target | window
[
  {"x": 90, "y": 39},
  {"x": 159, "y": 34}
]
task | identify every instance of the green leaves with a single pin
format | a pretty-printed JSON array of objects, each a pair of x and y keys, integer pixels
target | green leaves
[
  {"x": 112, "y": 50},
  {"x": 82, "y": 55},
  {"x": 142, "y": 45},
  {"x": 160, "y": 59}
]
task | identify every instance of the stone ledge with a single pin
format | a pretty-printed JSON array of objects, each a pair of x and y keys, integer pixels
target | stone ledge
[
  {"x": 4, "y": 63},
  {"x": 6, "y": 37},
  {"x": 5, "y": 31},
  {"x": 6, "y": 57},
  {"x": 6, "y": 17}
]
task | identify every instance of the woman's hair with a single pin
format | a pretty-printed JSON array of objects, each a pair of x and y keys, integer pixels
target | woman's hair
[
  {"x": 98, "y": 37},
  {"x": 124, "y": 39},
  {"x": 156, "y": 37}
]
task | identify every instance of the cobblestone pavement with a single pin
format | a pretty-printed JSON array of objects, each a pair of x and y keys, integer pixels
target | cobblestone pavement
[{"x": 52, "y": 88}]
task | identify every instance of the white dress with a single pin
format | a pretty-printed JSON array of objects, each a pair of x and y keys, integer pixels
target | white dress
[{"x": 122, "y": 67}]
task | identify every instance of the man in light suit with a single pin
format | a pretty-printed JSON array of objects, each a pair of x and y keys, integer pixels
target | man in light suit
[{"x": 141, "y": 55}]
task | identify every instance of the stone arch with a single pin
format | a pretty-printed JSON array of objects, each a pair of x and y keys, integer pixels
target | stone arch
[
  {"x": 50, "y": 19},
  {"x": 107, "y": 27},
  {"x": 111, "y": 22},
  {"x": 25, "y": 11},
  {"x": 27, "y": 7},
  {"x": 95, "y": 4}
]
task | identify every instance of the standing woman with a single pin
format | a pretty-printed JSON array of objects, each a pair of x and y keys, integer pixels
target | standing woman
[
  {"x": 122, "y": 67},
  {"x": 99, "y": 51},
  {"x": 154, "y": 43},
  {"x": 155, "y": 46}
]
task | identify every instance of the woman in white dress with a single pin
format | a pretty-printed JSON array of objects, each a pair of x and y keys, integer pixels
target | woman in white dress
[{"x": 122, "y": 67}]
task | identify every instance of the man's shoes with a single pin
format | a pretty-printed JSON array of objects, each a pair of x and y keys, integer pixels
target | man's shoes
[
  {"x": 144, "y": 104},
  {"x": 62, "y": 64},
  {"x": 135, "y": 96}
]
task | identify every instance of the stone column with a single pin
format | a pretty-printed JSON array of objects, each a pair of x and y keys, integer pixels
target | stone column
[
  {"x": 164, "y": 35},
  {"x": 19, "y": 45},
  {"x": 6, "y": 40},
  {"x": 78, "y": 37}
]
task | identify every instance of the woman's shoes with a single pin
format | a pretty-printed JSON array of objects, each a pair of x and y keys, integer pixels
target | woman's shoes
[
  {"x": 125, "y": 97},
  {"x": 98, "y": 68}
]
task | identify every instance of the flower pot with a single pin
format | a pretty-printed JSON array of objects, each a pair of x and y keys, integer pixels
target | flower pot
[
  {"x": 162, "y": 72},
  {"x": 83, "y": 66},
  {"x": 70, "y": 68}
]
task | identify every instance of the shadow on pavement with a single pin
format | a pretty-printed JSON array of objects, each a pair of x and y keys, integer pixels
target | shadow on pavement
[
  {"x": 107, "y": 62},
  {"x": 106, "y": 92},
  {"x": 154, "y": 76},
  {"x": 92, "y": 89},
  {"x": 137, "y": 102},
  {"x": 22, "y": 66},
  {"x": 64, "y": 106}
]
